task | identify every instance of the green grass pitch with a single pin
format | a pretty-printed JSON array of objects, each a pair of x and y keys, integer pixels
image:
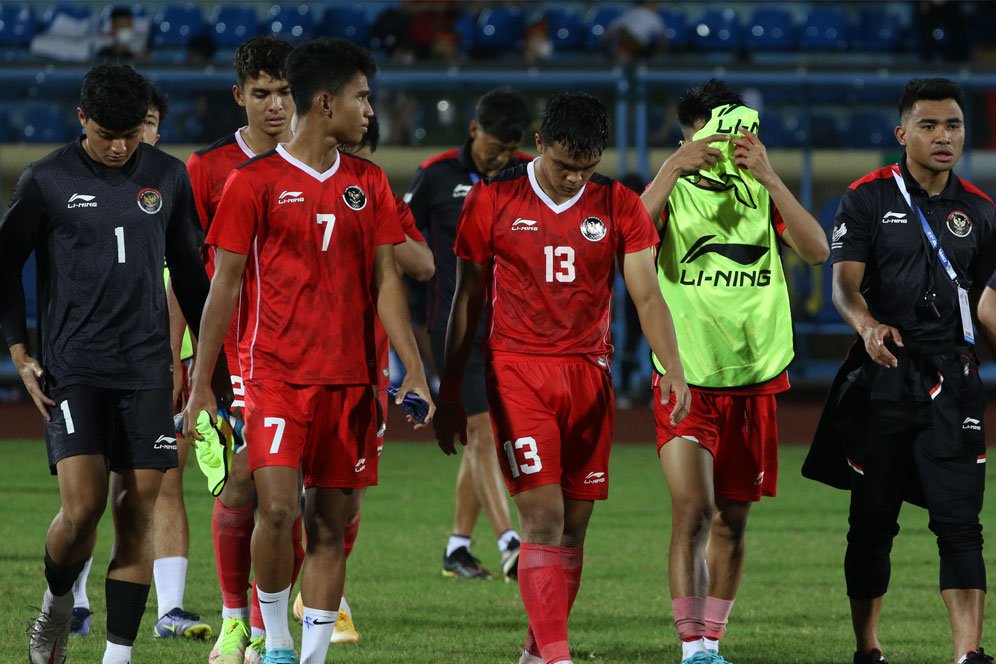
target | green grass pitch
[{"x": 791, "y": 606}]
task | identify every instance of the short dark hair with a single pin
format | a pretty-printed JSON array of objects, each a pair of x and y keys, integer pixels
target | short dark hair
[
  {"x": 934, "y": 89},
  {"x": 325, "y": 64},
  {"x": 159, "y": 101},
  {"x": 697, "y": 102},
  {"x": 578, "y": 121},
  {"x": 261, "y": 55},
  {"x": 115, "y": 96},
  {"x": 503, "y": 113}
]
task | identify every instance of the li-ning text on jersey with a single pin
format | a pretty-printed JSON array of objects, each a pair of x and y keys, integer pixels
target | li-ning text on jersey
[
  {"x": 551, "y": 266},
  {"x": 309, "y": 313}
]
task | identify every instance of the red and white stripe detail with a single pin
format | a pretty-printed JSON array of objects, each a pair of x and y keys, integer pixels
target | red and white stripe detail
[
  {"x": 980, "y": 459},
  {"x": 855, "y": 467},
  {"x": 936, "y": 389}
]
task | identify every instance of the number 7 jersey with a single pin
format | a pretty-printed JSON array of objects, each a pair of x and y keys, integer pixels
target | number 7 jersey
[
  {"x": 551, "y": 266},
  {"x": 310, "y": 238}
]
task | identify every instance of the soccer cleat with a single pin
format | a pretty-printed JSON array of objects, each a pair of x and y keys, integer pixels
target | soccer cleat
[
  {"x": 345, "y": 631},
  {"x": 701, "y": 657},
  {"x": 510, "y": 561},
  {"x": 529, "y": 658},
  {"x": 298, "y": 610},
  {"x": 462, "y": 564},
  {"x": 230, "y": 648},
  {"x": 80, "y": 624},
  {"x": 978, "y": 657},
  {"x": 873, "y": 657},
  {"x": 180, "y": 624},
  {"x": 255, "y": 650},
  {"x": 280, "y": 656},
  {"x": 48, "y": 640},
  {"x": 718, "y": 659}
]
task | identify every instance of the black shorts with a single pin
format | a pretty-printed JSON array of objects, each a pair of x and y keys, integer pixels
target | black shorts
[
  {"x": 474, "y": 394},
  {"x": 132, "y": 428}
]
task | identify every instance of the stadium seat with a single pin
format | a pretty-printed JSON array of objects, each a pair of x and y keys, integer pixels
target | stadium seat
[
  {"x": 770, "y": 29},
  {"x": 350, "y": 22},
  {"x": 566, "y": 27},
  {"x": 717, "y": 30},
  {"x": 292, "y": 23},
  {"x": 73, "y": 10},
  {"x": 824, "y": 29},
  {"x": 44, "y": 123},
  {"x": 877, "y": 31},
  {"x": 597, "y": 22},
  {"x": 871, "y": 129},
  {"x": 175, "y": 25},
  {"x": 233, "y": 24},
  {"x": 826, "y": 130},
  {"x": 17, "y": 25},
  {"x": 675, "y": 28},
  {"x": 499, "y": 31}
]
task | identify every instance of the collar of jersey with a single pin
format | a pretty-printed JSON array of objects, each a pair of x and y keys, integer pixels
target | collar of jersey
[
  {"x": 246, "y": 150},
  {"x": 294, "y": 161},
  {"x": 538, "y": 190}
]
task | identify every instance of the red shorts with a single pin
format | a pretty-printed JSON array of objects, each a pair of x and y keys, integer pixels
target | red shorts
[
  {"x": 329, "y": 431},
  {"x": 741, "y": 433},
  {"x": 553, "y": 419}
]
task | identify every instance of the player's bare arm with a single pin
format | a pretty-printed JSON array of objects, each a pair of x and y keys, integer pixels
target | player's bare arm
[
  {"x": 451, "y": 423},
  {"x": 415, "y": 259},
  {"x": 177, "y": 327},
  {"x": 802, "y": 232},
  {"x": 218, "y": 311},
  {"x": 686, "y": 160},
  {"x": 392, "y": 310},
  {"x": 987, "y": 314},
  {"x": 853, "y": 308},
  {"x": 640, "y": 275}
]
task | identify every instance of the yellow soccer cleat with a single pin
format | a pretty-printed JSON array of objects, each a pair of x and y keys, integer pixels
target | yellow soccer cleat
[
  {"x": 345, "y": 631},
  {"x": 298, "y": 609}
]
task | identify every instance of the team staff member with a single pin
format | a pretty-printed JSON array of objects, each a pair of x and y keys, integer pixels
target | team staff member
[
  {"x": 436, "y": 197},
  {"x": 909, "y": 241},
  {"x": 100, "y": 213}
]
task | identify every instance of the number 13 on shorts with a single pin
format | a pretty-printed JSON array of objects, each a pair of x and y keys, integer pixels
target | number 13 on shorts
[{"x": 524, "y": 448}]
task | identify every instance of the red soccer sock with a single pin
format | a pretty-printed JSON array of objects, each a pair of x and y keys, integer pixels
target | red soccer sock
[
  {"x": 255, "y": 615},
  {"x": 571, "y": 558},
  {"x": 688, "y": 617},
  {"x": 231, "y": 529},
  {"x": 543, "y": 586},
  {"x": 717, "y": 615},
  {"x": 352, "y": 529}
]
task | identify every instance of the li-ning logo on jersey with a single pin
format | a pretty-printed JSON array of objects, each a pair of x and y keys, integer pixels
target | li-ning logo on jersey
[
  {"x": 521, "y": 224},
  {"x": 840, "y": 232},
  {"x": 360, "y": 465},
  {"x": 290, "y": 197},
  {"x": 744, "y": 254},
  {"x": 354, "y": 197},
  {"x": 164, "y": 443},
  {"x": 81, "y": 200},
  {"x": 971, "y": 424},
  {"x": 595, "y": 478},
  {"x": 593, "y": 229},
  {"x": 149, "y": 200},
  {"x": 889, "y": 218},
  {"x": 461, "y": 190}
]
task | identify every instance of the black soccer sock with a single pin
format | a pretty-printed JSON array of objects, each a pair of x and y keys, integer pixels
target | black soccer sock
[
  {"x": 61, "y": 577},
  {"x": 125, "y": 606}
]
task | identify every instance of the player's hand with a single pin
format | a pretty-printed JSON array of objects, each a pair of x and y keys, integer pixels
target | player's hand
[
  {"x": 695, "y": 155},
  {"x": 751, "y": 155},
  {"x": 31, "y": 373},
  {"x": 415, "y": 382},
  {"x": 201, "y": 398},
  {"x": 450, "y": 425},
  {"x": 675, "y": 390},
  {"x": 876, "y": 338}
]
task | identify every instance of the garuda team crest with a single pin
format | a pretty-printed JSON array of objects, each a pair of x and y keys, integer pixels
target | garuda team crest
[
  {"x": 150, "y": 200},
  {"x": 959, "y": 224},
  {"x": 593, "y": 229},
  {"x": 354, "y": 197}
]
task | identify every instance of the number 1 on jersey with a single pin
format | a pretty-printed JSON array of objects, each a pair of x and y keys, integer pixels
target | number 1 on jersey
[
  {"x": 119, "y": 234},
  {"x": 564, "y": 270},
  {"x": 328, "y": 219}
]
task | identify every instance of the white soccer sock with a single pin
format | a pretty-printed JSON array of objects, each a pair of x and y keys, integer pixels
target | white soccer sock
[
  {"x": 171, "y": 578},
  {"x": 689, "y": 648},
  {"x": 710, "y": 644},
  {"x": 241, "y": 613},
  {"x": 344, "y": 606},
  {"x": 316, "y": 633},
  {"x": 507, "y": 538},
  {"x": 456, "y": 541},
  {"x": 273, "y": 606},
  {"x": 115, "y": 653},
  {"x": 79, "y": 588},
  {"x": 59, "y": 608},
  {"x": 256, "y": 632}
]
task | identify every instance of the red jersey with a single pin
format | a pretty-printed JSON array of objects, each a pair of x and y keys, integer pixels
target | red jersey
[
  {"x": 311, "y": 239},
  {"x": 551, "y": 266}
]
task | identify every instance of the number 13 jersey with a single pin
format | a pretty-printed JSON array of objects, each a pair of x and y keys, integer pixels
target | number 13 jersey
[
  {"x": 551, "y": 266},
  {"x": 310, "y": 238}
]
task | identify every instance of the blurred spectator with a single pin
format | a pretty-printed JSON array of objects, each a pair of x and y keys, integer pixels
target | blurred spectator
[
  {"x": 943, "y": 28},
  {"x": 539, "y": 47},
  {"x": 123, "y": 37},
  {"x": 201, "y": 49},
  {"x": 422, "y": 29},
  {"x": 637, "y": 33}
]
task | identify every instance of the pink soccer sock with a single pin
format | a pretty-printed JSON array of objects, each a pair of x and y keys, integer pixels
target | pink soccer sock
[
  {"x": 543, "y": 587},
  {"x": 689, "y": 618},
  {"x": 717, "y": 615},
  {"x": 571, "y": 558}
]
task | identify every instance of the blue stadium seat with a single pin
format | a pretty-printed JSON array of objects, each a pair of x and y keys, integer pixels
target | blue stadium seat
[
  {"x": 566, "y": 27},
  {"x": 770, "y": 29},
  {"x": 233, "y": 24},
  {"x": 292, "y": 23},
  {"x": 717, "y": 30},
  {"x": 676, "y": 28},
  {"x": 45, "y": 123},
  {"x": 17, "y": 25},
  {"x": 877, "y": 31},
  {"x": 499, "y": 31},
  {"x": 175, "y": 25},
  {"x": 826, "y": 130},
  {"x": 598, "y": 21},
  {"x": 73, "y": 10},
  {"x": 871, "y": 129},
  {"x": 825, "y": 29},
  {"x": 350, "y": 22},
  {"x": 772, "y": 130}
]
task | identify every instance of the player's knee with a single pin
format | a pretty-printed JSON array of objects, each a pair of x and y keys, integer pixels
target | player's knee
[
  {"x": 171, "y": 491},
  {"x": 82, "y": 517},
  {"x": 691, "y": 518},
  {"x": 278, "y": 513}
]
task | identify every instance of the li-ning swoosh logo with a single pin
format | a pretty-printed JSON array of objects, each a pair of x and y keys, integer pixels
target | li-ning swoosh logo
[
  {"x": 81, "y": 197},
  {"x": 745, "y": 254},
  {"x": 289, "y": 194}
]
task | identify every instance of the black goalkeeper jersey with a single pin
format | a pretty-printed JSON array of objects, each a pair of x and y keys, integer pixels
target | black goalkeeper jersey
[{"x": 100, "y": 235}]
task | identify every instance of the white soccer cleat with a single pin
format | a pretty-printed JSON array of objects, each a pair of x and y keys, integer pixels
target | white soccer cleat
[{"x": 529, "y": 658}]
